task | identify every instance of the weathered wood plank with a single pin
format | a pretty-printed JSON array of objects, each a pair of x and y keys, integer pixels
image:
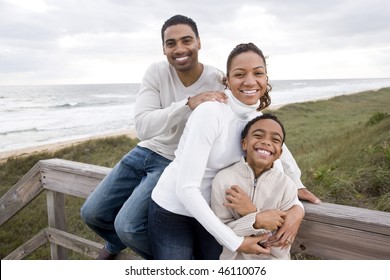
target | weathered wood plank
[
  {"x": 73, "y": 178},
  {"x": 350, "y": 217},
  {"x": 329, "y": 241},
  {"x": 28, "y": 187},
  {"x": 30, "y": 246},
  {"x": 81, "y": 245}
]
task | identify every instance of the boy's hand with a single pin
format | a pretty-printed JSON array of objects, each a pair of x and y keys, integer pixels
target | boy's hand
[
  {"x": 270, "y": 219},
  {"x": 238, "y": 200}
]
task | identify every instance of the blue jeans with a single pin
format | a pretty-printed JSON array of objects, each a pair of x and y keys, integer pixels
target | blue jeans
[
  {"x": 178, "y": 237},
  {"x": 117, "y": 210}
]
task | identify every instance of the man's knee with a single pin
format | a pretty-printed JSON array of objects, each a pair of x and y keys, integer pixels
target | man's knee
[{"x": 84, "y": 212}]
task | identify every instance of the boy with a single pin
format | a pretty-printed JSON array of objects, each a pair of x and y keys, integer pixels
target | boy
[{"x": 251, "y": 195}]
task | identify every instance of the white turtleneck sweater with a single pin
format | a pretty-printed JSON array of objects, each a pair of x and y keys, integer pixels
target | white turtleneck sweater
[{"x": 210, "y": 142}]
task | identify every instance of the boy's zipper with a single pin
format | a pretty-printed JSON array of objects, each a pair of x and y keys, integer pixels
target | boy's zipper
[{"x": 254, "y": 188}]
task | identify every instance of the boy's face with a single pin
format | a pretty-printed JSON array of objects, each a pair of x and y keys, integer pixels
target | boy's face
[
  {"x": 263, "y": 144},
  {"x": 181, "y": 47}
]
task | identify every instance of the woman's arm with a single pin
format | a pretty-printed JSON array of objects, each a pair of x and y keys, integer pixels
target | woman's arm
[
  {"x": 195, "y": 145},
  {"x": 291, "y": 168}
]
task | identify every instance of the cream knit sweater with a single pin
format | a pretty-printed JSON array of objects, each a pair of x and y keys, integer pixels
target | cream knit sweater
[{"x": 271, "y": 190}]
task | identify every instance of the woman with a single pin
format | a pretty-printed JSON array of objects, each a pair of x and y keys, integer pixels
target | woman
[{"x": 181, "y": 222}]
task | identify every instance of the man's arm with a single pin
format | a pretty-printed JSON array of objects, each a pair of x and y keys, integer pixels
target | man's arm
[{"x": 152, "y": 118}]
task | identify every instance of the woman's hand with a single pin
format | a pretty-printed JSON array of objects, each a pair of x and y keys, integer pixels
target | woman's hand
[
  {"x": 305, "y": 194},
  {"x": 286, "y": 234},
  {"x": 250, "y": 245}
]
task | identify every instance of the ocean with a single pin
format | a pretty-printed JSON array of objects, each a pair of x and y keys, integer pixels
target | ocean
[{"x": 39, "y": 115}]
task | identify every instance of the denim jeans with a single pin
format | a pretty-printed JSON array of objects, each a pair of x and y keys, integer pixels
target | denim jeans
[
  {"x": 117, "y": 210},
  {"x": 178, "y": 237}
]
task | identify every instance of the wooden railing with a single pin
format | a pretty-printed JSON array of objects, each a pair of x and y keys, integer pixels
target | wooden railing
[{"x": 328, "y": 231}]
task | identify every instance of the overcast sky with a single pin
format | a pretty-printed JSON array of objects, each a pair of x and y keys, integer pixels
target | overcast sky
[{"x": 114, "y": 41}]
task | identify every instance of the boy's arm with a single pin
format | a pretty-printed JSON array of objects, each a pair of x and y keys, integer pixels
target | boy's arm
[{"x": 241, "y": 225}]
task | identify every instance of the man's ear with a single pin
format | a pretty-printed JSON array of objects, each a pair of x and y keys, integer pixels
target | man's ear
[{"x": 200, "y": 44}]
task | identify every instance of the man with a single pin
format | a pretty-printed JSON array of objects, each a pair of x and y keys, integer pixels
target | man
[{"x": 117, "y": 209}]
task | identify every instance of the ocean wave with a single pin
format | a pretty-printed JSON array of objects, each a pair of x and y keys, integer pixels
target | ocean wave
[
  {"x": 70, "y": 105},
  {"x": 34, "y": 129},
  {"x": 66, "y": 105}
]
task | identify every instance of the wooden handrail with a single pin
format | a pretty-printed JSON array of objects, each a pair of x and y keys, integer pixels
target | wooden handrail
[{"x": 328, "y": 231}]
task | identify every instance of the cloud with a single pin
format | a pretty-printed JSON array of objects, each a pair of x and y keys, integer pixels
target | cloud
[{"x": 105, "y": 41}]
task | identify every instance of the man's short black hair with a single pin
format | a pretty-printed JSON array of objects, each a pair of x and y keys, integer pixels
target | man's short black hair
[{"x": 179, "y": 19}]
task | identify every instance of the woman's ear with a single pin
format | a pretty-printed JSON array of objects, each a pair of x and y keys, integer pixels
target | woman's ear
[{"x": 227, "y": 85}]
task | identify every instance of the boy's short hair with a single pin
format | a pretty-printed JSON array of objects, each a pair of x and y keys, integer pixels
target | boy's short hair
[{"x": 245, "y": 131}]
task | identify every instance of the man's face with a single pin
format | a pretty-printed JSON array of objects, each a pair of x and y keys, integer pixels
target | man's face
[
  {"x": 181, "y": 47},
  {"x": 263, "y": 144}
]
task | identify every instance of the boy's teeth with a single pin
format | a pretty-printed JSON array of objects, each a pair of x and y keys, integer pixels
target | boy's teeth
[{"x": 264, "y": 152}]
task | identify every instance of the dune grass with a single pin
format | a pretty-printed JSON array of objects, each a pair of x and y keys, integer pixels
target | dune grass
[{"x": 342, "y": 146}]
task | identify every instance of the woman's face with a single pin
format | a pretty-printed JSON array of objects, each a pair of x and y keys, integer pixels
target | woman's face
[{"x": 247, "y": 77}]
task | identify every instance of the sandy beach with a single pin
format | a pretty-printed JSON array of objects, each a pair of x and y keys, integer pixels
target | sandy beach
[{"x": 59, "y": 145}]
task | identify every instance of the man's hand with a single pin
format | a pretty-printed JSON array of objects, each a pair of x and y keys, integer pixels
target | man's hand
[
  {"x": 194, "y": 101},
  {"x": 305, "y": 194},
  {"x": 238, "y": 200}
]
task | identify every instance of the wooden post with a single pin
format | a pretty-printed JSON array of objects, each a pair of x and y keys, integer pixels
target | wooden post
[{"x": 56, "y": 219}]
